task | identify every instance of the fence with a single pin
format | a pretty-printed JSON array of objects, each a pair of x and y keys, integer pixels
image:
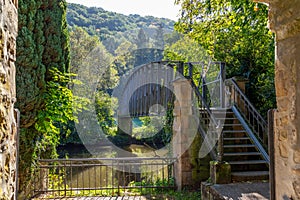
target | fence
[{"x": 103, "y": 177}]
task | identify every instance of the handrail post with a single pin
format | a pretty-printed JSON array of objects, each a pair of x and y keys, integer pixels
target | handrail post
[
  {"x": 180, "y": 68},
  {"x": 220, "y": 146},
  {"x": 204, "y": 89},
  {"x": 190, "y": 70},
  {"x": 222, "y": 84}
]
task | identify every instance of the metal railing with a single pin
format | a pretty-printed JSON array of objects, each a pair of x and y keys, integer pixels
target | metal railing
[
  {"x": 209, "y": 125},
  {"x": 257, "y": 123},
  {"x": 58, "y": 178}
]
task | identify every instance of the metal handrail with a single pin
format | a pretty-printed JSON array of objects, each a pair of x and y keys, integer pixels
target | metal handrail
[
  {"x": 107, "y": 159},
  {"x": 249, "y": 112},
  {"x": 204, "y": 127},
  {"x": 56, "y": 178},
  {"x": 252, "y": 136},
  {"x": 208, "y": 128}
]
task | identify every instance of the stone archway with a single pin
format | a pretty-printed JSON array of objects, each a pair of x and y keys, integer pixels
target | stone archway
[{"x": 284, "y": 21}]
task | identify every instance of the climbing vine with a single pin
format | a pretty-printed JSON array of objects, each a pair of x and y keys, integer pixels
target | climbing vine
[{"x": 61, "y": 107}]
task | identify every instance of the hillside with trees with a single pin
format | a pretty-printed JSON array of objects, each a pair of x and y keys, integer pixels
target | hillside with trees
[{"x": 113, "y": 29}]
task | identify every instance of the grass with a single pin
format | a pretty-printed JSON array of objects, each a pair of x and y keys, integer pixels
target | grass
[
  {"x": 170, "y": 195},
  {"x": 162, "y": 191},
  {"x": 176, "y": 195}
]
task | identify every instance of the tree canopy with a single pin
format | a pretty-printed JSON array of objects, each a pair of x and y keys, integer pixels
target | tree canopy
[{"x": 233, "y": 32}]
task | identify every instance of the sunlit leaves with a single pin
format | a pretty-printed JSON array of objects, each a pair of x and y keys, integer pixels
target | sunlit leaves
[
  {"x": 60, "y": 107},
  {"x": 231, "y": 31}
]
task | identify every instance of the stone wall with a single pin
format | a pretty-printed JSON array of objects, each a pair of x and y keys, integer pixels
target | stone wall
[
  {"x": 8, "y": 128},
  {"x": 284, "y": 20},
  {"x": 189, "y": 169}
]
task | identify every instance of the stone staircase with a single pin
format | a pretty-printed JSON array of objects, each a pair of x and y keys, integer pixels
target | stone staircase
[{"x": 247, "y": 162}]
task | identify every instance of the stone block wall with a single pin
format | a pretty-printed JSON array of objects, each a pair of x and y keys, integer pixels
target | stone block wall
[
  {"x": 189, "y": 170},
  {"x": 8, "y": 127},
  {"x": 284, "y": 20}
]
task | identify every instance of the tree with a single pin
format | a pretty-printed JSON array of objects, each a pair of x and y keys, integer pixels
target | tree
[
  {"x": 56, "y": 54},
  {"x": 186, "y": 49},
  {"x": 172, "y": 38},
  {"x": 123, "y": 57},
  {"x": 233, "y": 32},
  {"x": 94, "y": 65},
  {"x": 42, "y": 46},
  {"x": 142, "y": 40},
  {"x": 81, "y": 45},
  {"x": 159, "y": 42}
]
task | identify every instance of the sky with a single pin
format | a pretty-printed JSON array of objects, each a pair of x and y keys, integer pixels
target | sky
[{"x": 156, "y": 8}]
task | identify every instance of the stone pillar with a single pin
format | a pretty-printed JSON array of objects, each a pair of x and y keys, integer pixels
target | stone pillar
[
  {"x": 284, "y": 20},
  {"x": 125, "y": 125},
  {"x": 8, "y": 127},
  {"x": 184, "y": 131}
]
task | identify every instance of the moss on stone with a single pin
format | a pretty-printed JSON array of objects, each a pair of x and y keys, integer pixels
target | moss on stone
[{"x": 220, "y": 172}]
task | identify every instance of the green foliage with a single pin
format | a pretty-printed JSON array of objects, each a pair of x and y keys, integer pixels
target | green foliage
[
  {"x": 81, "y": 45},
  {"x": 93, "y": 63},
  {"x": 142, "y": 40},
  {"x": 56, "y": 52},
  {"x": 231, "y": 31},
  {"x": 154, "y": 131},
  {"x": 172, "y": 38},
  {"x": 56, "y": 183},
  {"x": 159, "y": 42},
  {"x": 160, "y": 186},
  {"x": 60, "y": 105},
  {"x": 168, "y": 128},
  {"x": 42, "y": 45},
  {"x": 148, "y": 127},
  {"x": 186, "y": 49},
  {"x": 105, "y": 108}
]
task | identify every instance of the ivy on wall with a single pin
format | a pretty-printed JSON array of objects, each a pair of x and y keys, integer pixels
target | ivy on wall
[{"x": 42, "y": 49}]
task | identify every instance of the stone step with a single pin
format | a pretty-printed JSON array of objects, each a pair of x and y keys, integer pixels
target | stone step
[
  {"x": 226, "y": 118},
  {"x": 242, "y": 154},
  {"x": 234, "y": 131},
  {"x": 239, "y": 146},
  {"x": 249, "y": 176},
  {"x": 227, "y": 124},
  {"x": 247, "y": 162},
  {"x": 237, "y": 138}
]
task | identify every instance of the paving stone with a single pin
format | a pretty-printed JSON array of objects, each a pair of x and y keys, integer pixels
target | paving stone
[{"x": 243, "y": 191}]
